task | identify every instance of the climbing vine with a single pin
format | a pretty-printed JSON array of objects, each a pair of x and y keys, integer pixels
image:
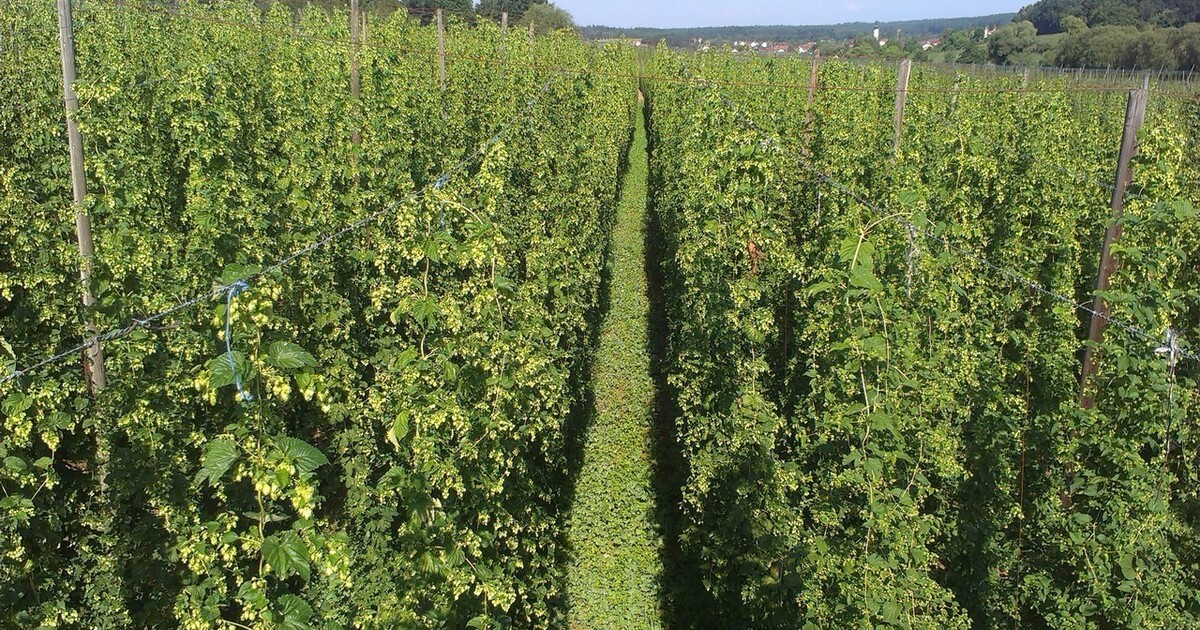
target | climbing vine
[
  {"x": 369, "y": 435},
  {"x": 875, "y": 354}
]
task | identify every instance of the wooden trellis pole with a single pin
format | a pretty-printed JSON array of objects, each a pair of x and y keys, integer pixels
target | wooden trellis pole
[
  {"x": 441, "y": 49},
  {"x": 812, "y": 86},
  {"x": 901, "y": 99},
  {"x": 356, "y": 135},
  {"x": 93, "y": 362},
  {"x": 1135, "y": 113}
]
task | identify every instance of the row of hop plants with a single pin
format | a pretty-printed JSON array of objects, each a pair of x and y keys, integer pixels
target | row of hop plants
[
  {"x": 378, "y": 440},
  {"x": 879, "y": 416}
]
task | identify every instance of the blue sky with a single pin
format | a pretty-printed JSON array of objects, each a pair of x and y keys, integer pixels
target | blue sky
[{"x": 677, "y": 13}]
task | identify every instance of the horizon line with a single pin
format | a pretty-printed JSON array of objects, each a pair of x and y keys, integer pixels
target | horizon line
[{"x": 681, "y": 28}]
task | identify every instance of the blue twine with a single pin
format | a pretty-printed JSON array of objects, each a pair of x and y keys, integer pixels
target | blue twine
[
  {"x": 234, "y": 290},
  {"x": 441, "y": 181}
]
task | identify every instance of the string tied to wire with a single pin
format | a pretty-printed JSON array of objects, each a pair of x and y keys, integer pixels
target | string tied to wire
[
  {"x": 910, "y": 256},
  {"x": 1172, "y": 351},
  {"x": 231, "y": 292},
  {"x": 441, "y": 181}
]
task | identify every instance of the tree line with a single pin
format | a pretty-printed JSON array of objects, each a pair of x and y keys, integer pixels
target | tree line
[
  {"x": 1055, "y": 16},
  {"x": 1106, "y": 46},
  {"x": 1145, "y": 34},
  {"x": 542, "y": 15}
]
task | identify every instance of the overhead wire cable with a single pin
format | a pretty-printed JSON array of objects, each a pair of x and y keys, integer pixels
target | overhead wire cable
[
  {"x": 452, "y": 56},
  {"x": 226, "y": 289},
  {"x": 1012, "y": 276}
]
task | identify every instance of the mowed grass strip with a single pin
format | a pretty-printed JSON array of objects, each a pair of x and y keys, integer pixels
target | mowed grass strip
[{"x": 614, "y": 578}]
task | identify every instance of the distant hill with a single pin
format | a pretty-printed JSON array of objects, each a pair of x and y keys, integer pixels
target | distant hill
[
  {"x": 1143, "y": 34},
  {"x": 1047, "y": 15},
  {"x": 778, "y": 33}
]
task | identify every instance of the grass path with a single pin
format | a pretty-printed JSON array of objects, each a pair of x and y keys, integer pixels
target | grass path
[{"x": 614, "y": 579}]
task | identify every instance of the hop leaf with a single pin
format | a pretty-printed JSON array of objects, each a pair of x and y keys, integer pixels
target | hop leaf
[
  {"x": 399, "y": 429},
  {"x": 289, "y": 356},
  {"x": 220, "y": 373},
  {"x": 296, "y": 613},
  {"x": 286, "y": 554},
  {"x": 219, "y": 455},
  {"x": 306, "y": 456}
]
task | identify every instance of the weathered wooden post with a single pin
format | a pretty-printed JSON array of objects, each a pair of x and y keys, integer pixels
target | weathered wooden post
[
  {"x": 93, "y": 362},
  {"x": 441, "y": 49},
  {"x": 1135, "y": 113},
  {"x": 901, "y": 98},
  {"x": 356, "y": 135},
  {"x": 812, "y": 86}
]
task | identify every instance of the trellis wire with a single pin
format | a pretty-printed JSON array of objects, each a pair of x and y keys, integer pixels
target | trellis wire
[
  {"x": 224, "y": 289},
  {"x": 1010, "y": 275}
]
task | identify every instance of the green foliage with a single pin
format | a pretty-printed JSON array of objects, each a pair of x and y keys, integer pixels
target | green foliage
[
  {"x": 400, "y": 462},
  {"x": 288, "y": 356},
  {"x": 683, "y": 37},
  {"x": 458, "y": 7},
  {"x": 974, "y": 53},
  {"x": 286, "y": 555},
  {"x": 877, "y": 428},
  {"x": 1049, "y": 16},
  {"x": 218, "y": 456},
  {"x": 1010, "y": 42},
  {"x": 1073, "y": 25},
  {"x": 547, "y": 18},
  {"x": 1130, "y": 47},
  {"x": 515, "y": 8},
  {"x": 1149, "y": 34}
]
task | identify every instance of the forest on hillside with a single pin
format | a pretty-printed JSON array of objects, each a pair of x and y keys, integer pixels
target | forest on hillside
[
  {"x": 1144, "y": 34},
  {"x": 1050, "y": 16}
]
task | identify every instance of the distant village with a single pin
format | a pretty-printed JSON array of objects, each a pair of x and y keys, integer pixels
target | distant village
[
  {"x": 874, "y": 44},
  {"x": 805, "y": 48}
]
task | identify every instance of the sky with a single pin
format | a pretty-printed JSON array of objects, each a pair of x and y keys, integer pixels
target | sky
[{"x": 682, "y": 13}]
